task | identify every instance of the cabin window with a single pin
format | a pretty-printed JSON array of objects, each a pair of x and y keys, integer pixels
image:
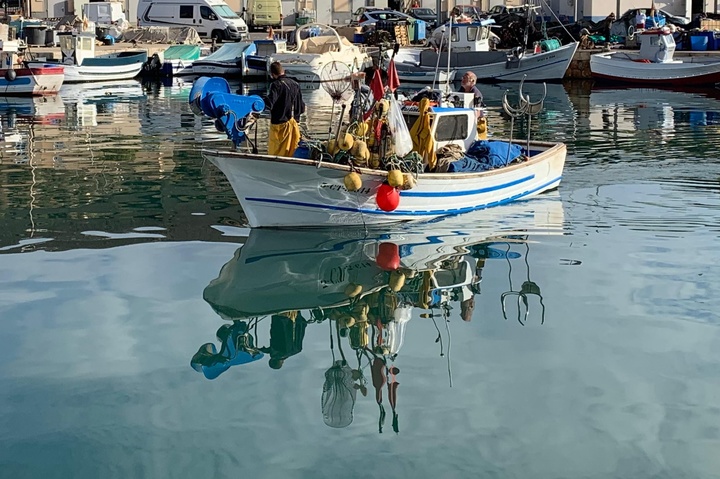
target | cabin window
[
  {"x": 455, "y": 34},
  {"x": 450, "y": 128},
  {"x": 85, "y": 43},
  {"x": 186, "y": 11},
  {"x": 207, "y": 14},
  {"x": 472, "y": 33}
]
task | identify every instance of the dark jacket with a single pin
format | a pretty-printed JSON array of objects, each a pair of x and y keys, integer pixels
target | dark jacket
[{"x": 284, "y": 100}]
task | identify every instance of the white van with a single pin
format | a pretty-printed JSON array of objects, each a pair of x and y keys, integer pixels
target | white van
[
  {"x": 264, "y": 13},
  {"x": 211, "y": 18}
]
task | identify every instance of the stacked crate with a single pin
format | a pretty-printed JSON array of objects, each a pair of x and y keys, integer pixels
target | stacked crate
[{"x": 401, "y": 35}]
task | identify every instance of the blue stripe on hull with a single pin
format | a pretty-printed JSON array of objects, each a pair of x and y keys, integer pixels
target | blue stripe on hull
[
  {"x": 455, "y": 211},
  {"x": 442, "y": 194}
]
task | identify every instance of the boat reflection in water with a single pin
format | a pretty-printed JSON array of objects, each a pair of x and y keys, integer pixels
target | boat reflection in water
[{"x": 366, "y": 287}]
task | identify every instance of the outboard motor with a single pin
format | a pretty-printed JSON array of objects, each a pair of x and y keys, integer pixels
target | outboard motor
[{"x": 234, "y": 114}]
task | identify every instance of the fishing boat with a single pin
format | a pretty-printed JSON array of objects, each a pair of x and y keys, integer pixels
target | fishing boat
[
  {"x": 654, "y": 63},
  {"x": 465, "y": 47},
  {"x": 18, "y": 79},
  {"x": 317, "y": 46},
  {"x": 315, "y": 188},
  {"x": 227, "y": 61},
  {"x": 81, "y": 64}
]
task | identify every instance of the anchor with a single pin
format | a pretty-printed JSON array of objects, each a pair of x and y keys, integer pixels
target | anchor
[{"x": 524, "y": 107}]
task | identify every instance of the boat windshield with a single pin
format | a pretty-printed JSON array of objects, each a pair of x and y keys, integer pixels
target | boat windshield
[{"x": 224, "y": 11}]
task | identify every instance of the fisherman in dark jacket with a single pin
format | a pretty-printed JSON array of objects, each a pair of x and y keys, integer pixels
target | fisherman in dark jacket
[{"x": 286, "y": 104}]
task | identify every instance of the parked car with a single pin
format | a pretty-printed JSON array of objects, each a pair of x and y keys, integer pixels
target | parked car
[
  {"x": 504, "y": 10},
  {"x": 621, "y": 26},
  {"x": 469, "y": 10},
  {"x": 427, "y": 15},
  {"x": 371, "y": 17}
]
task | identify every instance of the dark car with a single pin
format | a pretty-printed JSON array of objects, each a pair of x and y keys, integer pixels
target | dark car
[
  {"x": 425, "y": 14},
  {"x": 622, "y": 26}
]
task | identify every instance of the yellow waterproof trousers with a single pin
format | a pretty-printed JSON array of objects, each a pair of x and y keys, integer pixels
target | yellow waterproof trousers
[{"x": 284, "y": 138}]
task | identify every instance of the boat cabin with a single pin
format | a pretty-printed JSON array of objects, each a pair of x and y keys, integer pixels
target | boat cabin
[
  {"x": 266, "y": 48},
  {"x": 76, "y": 47},
  {"x": 656, "y": 46},
  {"x": 465, "y": 37},
  {"x": 449, "y": 124},
  {"x": 9, "y": 54}
]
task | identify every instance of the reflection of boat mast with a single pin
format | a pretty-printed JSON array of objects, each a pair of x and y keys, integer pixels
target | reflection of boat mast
[{"x": 528, "y": 288}]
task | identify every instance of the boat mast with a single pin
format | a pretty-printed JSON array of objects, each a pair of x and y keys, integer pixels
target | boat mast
[{"x": 449, "y": 45}]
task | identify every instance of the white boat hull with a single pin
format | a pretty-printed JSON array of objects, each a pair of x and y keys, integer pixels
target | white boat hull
[
  {"x": 33, "y": 81},
  {"x": 292, "y": 192},
  {"x": 105, "y": 68},
  {"x": 623, "y": 67},
  {"x": 545, "y": 66},
  {"x": 411, "y": 76}
]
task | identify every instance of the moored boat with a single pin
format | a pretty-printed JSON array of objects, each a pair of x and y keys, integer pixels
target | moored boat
[
  {"x": 654, "y": 64},
  {"x": 311, "y": 189},
  {"x": 465, "y": 47},
  {"x": 82, "y": 65},
  {"x": 227, "y": 61},
  {"x": 19, "y": 79},
  {"x": 317, "y": 46}
]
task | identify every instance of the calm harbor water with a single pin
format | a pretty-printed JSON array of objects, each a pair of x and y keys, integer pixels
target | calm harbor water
[{"x": 573, "y": 335}]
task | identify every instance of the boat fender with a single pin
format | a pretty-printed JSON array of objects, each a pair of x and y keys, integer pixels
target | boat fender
[
  {"x": 388, "y": 197},
  {"x": 352, "y": 181},
  {"x": 10, "y": 75},
  {"x": 518, "y": 52},
  {"x": 395, "y": 178}
]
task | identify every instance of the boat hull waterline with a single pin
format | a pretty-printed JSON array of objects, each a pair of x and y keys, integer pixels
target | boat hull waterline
[
  {"x": 291, "y": 192},
  {"x": 33, "y": 81}
]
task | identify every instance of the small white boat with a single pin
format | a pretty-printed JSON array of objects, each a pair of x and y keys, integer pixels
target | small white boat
[
  {"x": 297, "y": 192},
  {"x": 469, "y": 51},
  {"x": 18, "y": 79},
  {"x": 82, "y": 65},
  {"x": 227, "y": 61},
  {"x": 655, "y": 64},
  {"x": 317, "y": 46}
]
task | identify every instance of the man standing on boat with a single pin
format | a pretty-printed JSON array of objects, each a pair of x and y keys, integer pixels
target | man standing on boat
[
  {"x": 469, "y": 80},
  {"x": 286, "y": 104}
]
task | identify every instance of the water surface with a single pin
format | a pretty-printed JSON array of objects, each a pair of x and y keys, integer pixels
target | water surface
[{"x": 124, "y": 254}]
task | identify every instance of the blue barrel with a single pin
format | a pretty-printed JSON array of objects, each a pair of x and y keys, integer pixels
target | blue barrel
[{"x": 420, "y": 30}]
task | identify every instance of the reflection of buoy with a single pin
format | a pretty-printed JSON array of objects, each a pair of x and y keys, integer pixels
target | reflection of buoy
[
  {"x": 388, "y": 257},
  {"x": 352, "y": 290},
  {"x": 397, "y": 281},
  {"x": 10, "y": 75},
  {"x": 388, "y": 198}
]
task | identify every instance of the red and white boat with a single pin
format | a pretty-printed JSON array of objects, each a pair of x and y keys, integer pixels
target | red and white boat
[
  {"x": 17, "y": 79},
  {"x": 654, "y": 64}
]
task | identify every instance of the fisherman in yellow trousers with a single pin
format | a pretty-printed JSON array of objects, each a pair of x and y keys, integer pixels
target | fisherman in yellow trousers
[{"x": 286, "y": 105}]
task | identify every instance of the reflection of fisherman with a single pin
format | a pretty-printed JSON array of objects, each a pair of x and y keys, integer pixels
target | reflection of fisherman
[
  {"x": 237, "y": 348},
  {"x": 287, "y": 331}
]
